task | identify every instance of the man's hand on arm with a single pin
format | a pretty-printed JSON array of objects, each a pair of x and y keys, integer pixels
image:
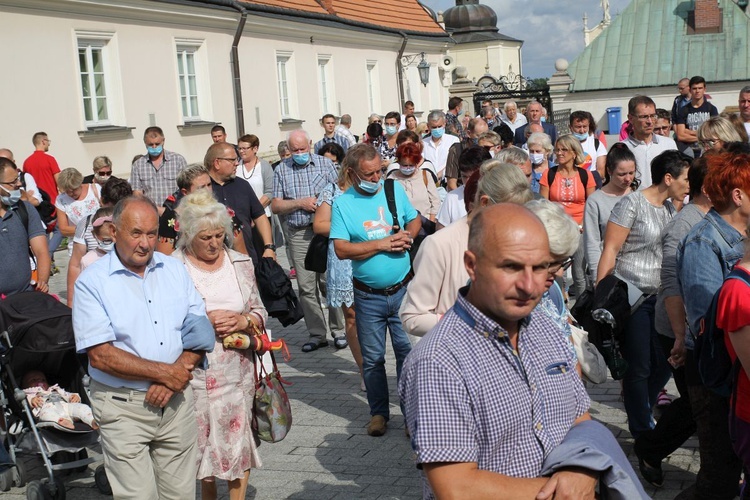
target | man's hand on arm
[
  {"x": 159, "y": 394},
  {"x": 283, "y": 207},
  {"x": 574, "y": 483}
]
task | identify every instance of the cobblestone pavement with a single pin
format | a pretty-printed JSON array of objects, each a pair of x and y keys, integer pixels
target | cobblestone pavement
[{"x": 328, "y": 454}]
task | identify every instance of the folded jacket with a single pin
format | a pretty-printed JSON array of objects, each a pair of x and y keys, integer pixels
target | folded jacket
[
  {"x": 198, "y": 335},
  {"x": 592, "y": 446}
]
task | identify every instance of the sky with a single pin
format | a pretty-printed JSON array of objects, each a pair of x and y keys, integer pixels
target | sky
[{"x": 558, "y": 23}]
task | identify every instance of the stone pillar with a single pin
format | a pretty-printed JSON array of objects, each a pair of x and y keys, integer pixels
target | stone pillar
[
  {"x": 464, "y": 88},
  {"x": 559, "y": 84}
]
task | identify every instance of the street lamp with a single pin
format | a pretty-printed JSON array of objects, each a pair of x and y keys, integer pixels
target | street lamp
[{"x": 423, "y": 67}]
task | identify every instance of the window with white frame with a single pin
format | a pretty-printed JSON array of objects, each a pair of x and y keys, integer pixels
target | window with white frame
[
  {"x": 285, "y": 77},
  {"x": 326, "y": 84},
  {"x": 93, "y": 72},
  {"x": 99, "y": 77},
  {"x": 188, "y": 77},
  {"x": 373, "y": 86}
]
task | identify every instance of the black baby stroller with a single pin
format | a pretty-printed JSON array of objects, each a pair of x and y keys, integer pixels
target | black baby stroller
[{"x": 36, "y": 333}]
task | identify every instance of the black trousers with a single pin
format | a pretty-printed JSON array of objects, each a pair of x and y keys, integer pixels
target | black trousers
[{"x": 676, "y": 424}]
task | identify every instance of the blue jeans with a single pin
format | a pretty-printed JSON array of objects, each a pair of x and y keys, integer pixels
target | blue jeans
[
  {"x": 376, "y": 313},
  {"x": 648, "y": 369},
  {"x": 55, "y": 238}
]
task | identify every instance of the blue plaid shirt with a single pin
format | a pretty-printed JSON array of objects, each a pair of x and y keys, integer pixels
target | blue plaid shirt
[
  {"x": 470, "y": 397},
  {"x": 339, "y": 139},
  {"x": 292, "y": 182}
]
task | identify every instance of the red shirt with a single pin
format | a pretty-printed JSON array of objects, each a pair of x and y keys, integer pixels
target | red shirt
[
  {"x": 732, "y": 314},
  {"x": 43, "y": 168}
]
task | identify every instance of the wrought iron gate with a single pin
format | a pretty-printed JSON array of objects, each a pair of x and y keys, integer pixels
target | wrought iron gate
[{"x": 513, "y": 87}]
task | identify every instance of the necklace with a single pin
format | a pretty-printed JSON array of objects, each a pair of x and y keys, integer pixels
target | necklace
[{"x": 251, "y": 172}]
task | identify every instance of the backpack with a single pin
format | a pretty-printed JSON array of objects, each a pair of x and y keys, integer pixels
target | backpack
[
  {"x": 715, "y": 366},
  {"x": 582, "y": 173},
  {"x": 46, "y": 209}
]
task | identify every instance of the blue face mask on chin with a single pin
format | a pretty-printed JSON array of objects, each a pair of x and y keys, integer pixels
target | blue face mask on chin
[
  {"x": 13, "y": 197},
  {"x": 581, "y": 137},
  {"x": 301, "y": 158},
  {"x": 155, "y": 151},
  {"x": 368, "y": 186}
]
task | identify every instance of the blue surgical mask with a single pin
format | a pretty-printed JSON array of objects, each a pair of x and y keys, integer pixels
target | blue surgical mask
[
  {"x": 407, "y": 170},
  {"x": 543, "y": 119},
  {"x": 437, "y": 133},
  {"x": 536, "y": 158},
  {"x": 581, "y": 137},
  {"x": 368, "y": 186},
  {"x": 155, "y": 151},
  {"x": 301, "y": 158},
  {"x": 13, "y": 197},
  {"x": 390, "y": 130}
]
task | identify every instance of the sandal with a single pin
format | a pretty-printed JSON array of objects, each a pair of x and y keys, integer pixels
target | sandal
[
  {"x": 313, "y": 346},
  {"x": 340, "y": 342}
]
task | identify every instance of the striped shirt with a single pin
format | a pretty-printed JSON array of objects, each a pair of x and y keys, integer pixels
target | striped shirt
[
  {"x": 470, "y": 397},
  {"x": 337, "y": 138},
  {"x": 292, "y": 182},
  {"x": 155, "y": 183}
]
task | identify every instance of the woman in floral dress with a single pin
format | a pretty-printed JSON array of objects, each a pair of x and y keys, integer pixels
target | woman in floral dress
[
  {"x": 340, "y": 292},
  {"x": 223, "y": 391}
]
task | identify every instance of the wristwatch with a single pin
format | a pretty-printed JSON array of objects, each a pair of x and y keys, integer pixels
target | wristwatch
[{"x": 270, "y": 246}]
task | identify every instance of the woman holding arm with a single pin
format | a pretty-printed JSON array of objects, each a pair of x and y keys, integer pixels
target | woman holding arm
[
  {"x": 75, "y": 202},
  {"x": 633, "y": 251},
  {"x": 223, "y": 392}
]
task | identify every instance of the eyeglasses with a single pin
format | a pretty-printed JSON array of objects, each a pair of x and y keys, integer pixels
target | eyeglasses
[
  {"x": 243, "y": 149},
  {"x": 644, "y": 118},
  {"x": 665, "y": 128},
  {"x": 236, "y": 159},
  {"x": 14, "y": 182},
  {"x": 560, "y": 264},
  {"x": 710, "y": 143}
]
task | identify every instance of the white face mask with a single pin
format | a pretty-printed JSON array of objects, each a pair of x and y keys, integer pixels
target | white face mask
[{"x": 105, "y": 246}]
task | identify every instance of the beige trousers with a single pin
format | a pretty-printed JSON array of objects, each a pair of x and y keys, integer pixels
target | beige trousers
[{"x": 149, "y": 452}]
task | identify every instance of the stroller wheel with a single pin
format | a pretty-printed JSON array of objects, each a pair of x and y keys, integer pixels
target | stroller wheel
[
  {"x": 19, "y": 474},
  {"x": 102, "y": 483},
  {"x": 60, "y": 486},
  {"x": 35, "y": 491},
  {"x": 6, "y": 479}
]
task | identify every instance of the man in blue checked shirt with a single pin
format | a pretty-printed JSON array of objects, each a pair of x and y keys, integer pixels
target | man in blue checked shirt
[
  {"x": 492, "y": 389},
  {"x": 297, "y": 182},
  {"x": 331, "y": 135}
]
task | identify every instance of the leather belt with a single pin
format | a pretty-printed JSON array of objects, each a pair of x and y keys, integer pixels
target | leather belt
[{"x": 391, "y": 290}]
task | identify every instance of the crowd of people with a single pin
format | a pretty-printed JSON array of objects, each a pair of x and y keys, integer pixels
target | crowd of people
[{"x": 474, "y": 233}]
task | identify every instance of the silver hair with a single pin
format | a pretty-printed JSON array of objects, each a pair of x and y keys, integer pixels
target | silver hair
[
  {"x": 435, "y": 116},
  {"x": 502, "y": 183},
  {"x": 745, "y": 90},
  {"x": 540, "y": 139},
  {"x": 293, "y": 133},
  {"x": 562, "y": 230},
  {"x": 509, "y": 104},
  {"x": 69, "y": 178},
  {"x": 198, "y": 212},
  {"x": 513, "y": 155}
]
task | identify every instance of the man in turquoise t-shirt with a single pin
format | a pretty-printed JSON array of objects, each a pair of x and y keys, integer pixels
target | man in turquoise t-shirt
[{"x": 362, "y": 229}]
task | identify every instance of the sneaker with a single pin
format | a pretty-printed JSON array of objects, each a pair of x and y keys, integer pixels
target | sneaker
[
  {"x": 293, "y": 274},
  {"x": 377, "y": 426}
]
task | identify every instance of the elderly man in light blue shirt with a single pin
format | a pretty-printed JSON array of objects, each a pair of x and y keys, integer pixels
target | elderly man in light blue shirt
[{"x": 143, "y": 325}]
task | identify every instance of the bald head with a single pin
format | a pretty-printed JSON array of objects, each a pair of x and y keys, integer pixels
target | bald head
[
  {"x": 502, "y": 220},
  {"x": 507, "y": 281},
  {"x": 477, "y": 127},
  {"x": 7, "y": 153}
]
